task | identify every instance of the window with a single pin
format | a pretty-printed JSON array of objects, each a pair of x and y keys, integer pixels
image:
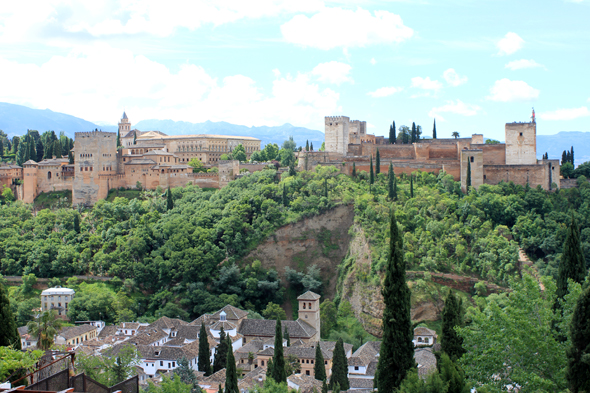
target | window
[
  {"x": 471, "y": 158},
  {"x": 521, "y": 134},
  {"x": 426, "y": 340},
  {"x": 310, "y": 306},
  {"x": 262, "y": 363},
  {"x": 306, "y": 372},
  {"x": 304, "y": 305},
  {"x": 356, "y": 368},
  {"x": 173, "y": 364}
]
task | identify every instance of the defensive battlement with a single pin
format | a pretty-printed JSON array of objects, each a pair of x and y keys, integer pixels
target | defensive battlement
[
  {"x": 526, "y": 123},
  {"x": 337, "y": 118},
  {"x": 95, "y": 134}
]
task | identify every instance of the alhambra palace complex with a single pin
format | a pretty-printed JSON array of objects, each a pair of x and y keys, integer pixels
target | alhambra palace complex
[{"x": 155, "y": 159}]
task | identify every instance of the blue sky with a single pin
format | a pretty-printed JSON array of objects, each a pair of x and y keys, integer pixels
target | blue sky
[{"x": 472, "y": 65}]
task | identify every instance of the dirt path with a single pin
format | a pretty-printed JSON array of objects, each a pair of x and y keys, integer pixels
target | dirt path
[{"x": 523, "y": 258}]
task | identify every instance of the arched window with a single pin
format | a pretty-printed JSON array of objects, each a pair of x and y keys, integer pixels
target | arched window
[
  {"x": 310, "y": 306},
  {"x": 304, "y": 305},
  {"x": 48, "y": 175}
]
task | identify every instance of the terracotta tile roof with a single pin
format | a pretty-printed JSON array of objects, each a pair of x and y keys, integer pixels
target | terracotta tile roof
[
  {"x": 148, "y": 336},
  {"x": 309, "y": 295},
  {"x": 266, "y": 328},
  {"x": 128, "y": 325},
  {"x": 231, "y": 313},
  {"x": 424, "y": 331},
  {"x": 305, "y": 383},
  {"x": 361, "y": 383},
  {"x": 203, "y": 318},
  {"x": 168, "y": 323},
  {"x": 70, "y": 332},
  {"x": 254, "y": 378},
  {"x": 425, "y": 359},
  {"x": 365, "y": 354},
  {"x": 107, "y": 331},
  {"x": 225, "y": 324},
  {"x": 140, "y": 161},
  {"x": 188, "y": 332},
  {"x": 215, "y": 378},
  {"x": 306, "y": 352}
]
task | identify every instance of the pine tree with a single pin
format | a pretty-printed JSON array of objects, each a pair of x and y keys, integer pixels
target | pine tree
[
  {"x": 326, "y": 188},
  {"x": 278, "y": 371},
  {"x": 311, "y": 146},
  {"x": 413, "y": 132},
  {"x": 434, "y": 130},
  {"x": 220, "y": 353},
  {"x": 319, "y": 370},
  {"x": 8, "y": 329},
  {"x": 371, "y": 175},
  {"x": 390, "y": 180},
  {"x": 452, "y": 316},
  {"x": 169, "y": 200},
  {"x": 468, "y": 180},
  {"x": 339, "y": 375},
  {"x": 396, "y": 355},
  {"x": 411, "y": 186},
  {"x": 377, "y": 163},
  {"x": 231, "y": 374},
  {"x": 307, "y": 145},
  {"x": 204, "y": 362},
  {"x": 578, "y": 366},
  {"x": 41, "y": 151},
  {"x": 353, "y": 169},
  {"x": 287, "y": 337},
  {"x": 573, "y": 263},
  {"x": 572, "y": 156},
  {"x": 392, "y": 133}
]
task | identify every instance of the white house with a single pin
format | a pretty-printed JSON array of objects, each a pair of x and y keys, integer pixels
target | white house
[
  {"x": 57, "y": 298},
  {"x": 424, "y": 336}
]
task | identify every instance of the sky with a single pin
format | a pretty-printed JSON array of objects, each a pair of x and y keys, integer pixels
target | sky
[{"x": 471, "y": 65}]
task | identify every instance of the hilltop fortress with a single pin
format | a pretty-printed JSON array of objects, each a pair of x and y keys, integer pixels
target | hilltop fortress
[
  {"x": 146, "y": 159},
  {"x": 348, "y": 143}
]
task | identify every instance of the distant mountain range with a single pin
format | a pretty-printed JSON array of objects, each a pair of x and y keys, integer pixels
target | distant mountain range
[{"x": 16, "y": 119}]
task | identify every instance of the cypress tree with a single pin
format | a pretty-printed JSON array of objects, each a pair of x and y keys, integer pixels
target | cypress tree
[
  {"x": 413, "y": 132},
  {"x": 396, "y": 355},
  {"x": 572, "y": 156},
  {"x": 434, "y": 130},
  {"x": 573, "y": 264},
  {"x": 270, "y": 367},
  {"x": 411, "y": 186},
  {"x": 353, "y": 169},
  {"x": 394, "y": 186},
  {"x": 231, "y": 374},
  {"x": 26, "y": 151},
  {"x": 578, "y": 366},
  {"x": 451, "y": 342},
  {"x": 204, "y": 362},
  {"x": 8, "y": 329},
  {"x": 135, "y": 137},
  {"x": 392, "y": 133},
  {"x": 390, "y": 181},
  {"x": 339, "y": 375},
  {"x": 311, "y": 146},
  {"x": 319, "y": 370},
  {"x": 1, "y": 148},
  {"x": 468, "y": 180},
  {"x": 377, "y": 163},
  {"x": 76, "y": 223},
  {"x": 324, "y": 386},
  {"x": 563, "y": 157},
  {"x": 48, "y": 150},
  {"x": 20, "y": 155},
  {"x": 220, "y": 352},
  {"x": 220, "y": 389},
  {"x": 287, "y": 337},
  {"x": 372, "y": 175},
  {"x": 169, "y": 200},
  {"x": 568, "y": 156},
  {"x": 57, "y": 149},
  {"x": 40, "y": 151},
  {"x": 118, "y": 139},
  {"x": 278, "y": 370},
  {"x": 307, "y": 145},
  {"x": 32, "y": 150}
]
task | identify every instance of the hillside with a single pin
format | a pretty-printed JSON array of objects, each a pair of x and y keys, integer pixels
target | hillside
[
  {"x": 564, "y": 140},
  {"x": 277, "y": 134}
]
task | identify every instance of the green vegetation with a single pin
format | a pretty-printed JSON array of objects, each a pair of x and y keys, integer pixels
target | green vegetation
[
  {"x": 339, "y": 377},
  {"x": 452, "y": 317},
  {"x": 278, "y": 371},
  {"x": 8, "y": 334},
  {"x": 53, "y": 200}
]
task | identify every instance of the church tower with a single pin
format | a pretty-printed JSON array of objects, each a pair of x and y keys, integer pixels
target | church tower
[
  {"x": 309, "y": 311},
  {"x": 124, "y": 125}
]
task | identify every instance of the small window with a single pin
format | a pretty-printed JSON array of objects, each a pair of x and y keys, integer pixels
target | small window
[
  {"x": 306, "y": 372},
  {"x": 521, "y": 134},
  {"x": 472, "y": 158},
  {"x": 356, "y": 368}
]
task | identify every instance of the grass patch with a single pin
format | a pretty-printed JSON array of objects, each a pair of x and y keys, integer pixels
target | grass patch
[
  {"x": 54, "y": 199},
  {"x": 129, "y": 194}
]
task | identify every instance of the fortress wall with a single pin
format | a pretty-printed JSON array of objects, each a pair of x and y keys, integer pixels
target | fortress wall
[
  {"x": 398, "y": 167},
  {"x": 443, "y": 151},
  {"x": 472, "y": 160},
  {"x": 389, "y": 151},
  {"x": 521, "y": 143},
  {"x": 492, "y": 154},
  {"x": 519, "y": 174}
]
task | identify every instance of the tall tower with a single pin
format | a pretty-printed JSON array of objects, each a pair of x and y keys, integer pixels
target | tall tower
[
  {"x": 124, "y": 125},
  {"x": 521, "y": 143},
  {"x": 337, "y": 131},
  {"x": 309, "y": 311}
]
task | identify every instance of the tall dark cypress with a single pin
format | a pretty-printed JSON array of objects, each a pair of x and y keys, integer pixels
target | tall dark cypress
[
  {"x": 319, "y": 369},
  {"x": 57, "y": 149},
  {"x": 390, "y": 176},
  {"x": 452, "y": 316},
  {"x": 8, "y": 330},
  {"x": 307, "y": 145},
  {"x": 40, "y": 151},
  {"x": 220, "y": 352},
  {"x": 339, "y": 375},
  {"x": 563, "y": 157},
  {"x": 468, "y": 180},
  {"x": 411, "y": 186},
  {"x": 392, "y": 134},
  {"x": 394, "y": 186},
  {"x": 434, "y": 130},
  {"x": 572, "y": 156},
  {"x": 278, "y": 371},
  {"x": 32, "y": 150},
  {"x": 118, "y": 139},
  {"x": 1, "y": 148},
  {"x": 573, "y": 263},
  {"x": 371, "y": 175},
  {"x": 353, "y": 169},
  {"x": 413, "y": 132},
  {"x": 169, "y": 200},
  {"x": 396, "y": 356},
  {"x": 204, "y": 361},
  {"x": 135, "y": 137},
  {"x": 311, "y": 146},
  {"x": 377, "y": 163},
  {"x": 76, "y": 223},
  {"x": 231, "y": 374},
  {"x": 578, "y": 366}
]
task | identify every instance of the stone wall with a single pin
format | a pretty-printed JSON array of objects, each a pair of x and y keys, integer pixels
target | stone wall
[
  {"x": 534, "y": 175},
  {"x": 337, "y": 133},
  {"x": 521, "y": 143},
  {"x": 471, "y": 159},
  {"x": 492, "y": 154}
]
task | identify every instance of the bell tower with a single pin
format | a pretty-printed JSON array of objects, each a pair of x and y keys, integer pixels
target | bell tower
[
  {"x": 124, "y": 125},
  {"x": 309, "y": 311}
]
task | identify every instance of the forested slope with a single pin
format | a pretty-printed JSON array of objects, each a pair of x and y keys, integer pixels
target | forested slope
[{"x": 184, "y": 259}]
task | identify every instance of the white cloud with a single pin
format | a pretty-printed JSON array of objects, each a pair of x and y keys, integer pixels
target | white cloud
[
  {"x": 509, "y": 44},
  {"x": 505, "y": 90},
  {"x": 426, "y": 83},
  {"x": 521, "y": 64},
  {"x": 337, "y": 27},
  {"x": 19, "y": 21},
  {"x": 384, "y": 92},
  {"x": 373, "y": 61},
  {"x": 457, "y": 107},
  {"x": 453, "y": 78},
  {"x": 332, "y": 72},
  {"x": 98, "y": 88},
  {"x": 565, "y": 114}
]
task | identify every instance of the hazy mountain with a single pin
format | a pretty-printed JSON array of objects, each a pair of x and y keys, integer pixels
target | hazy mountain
[
  {"x": 277, "y": 134},
  {"x": 17, "y": 119},
  {"x": 564, "y": 140}
]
